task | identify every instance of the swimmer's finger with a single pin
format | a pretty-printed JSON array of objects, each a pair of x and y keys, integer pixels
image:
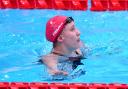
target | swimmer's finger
[
  {"x": 65, "y": 73},
  {"x": 61, "y": 72},
  {"x": 58, "y": 72}
]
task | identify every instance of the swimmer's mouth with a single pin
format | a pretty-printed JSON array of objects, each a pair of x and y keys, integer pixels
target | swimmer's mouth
[{"x": 78, "y": 40}]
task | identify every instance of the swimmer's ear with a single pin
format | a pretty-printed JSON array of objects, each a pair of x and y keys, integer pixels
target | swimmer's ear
[{"x": 60, "y": 38}]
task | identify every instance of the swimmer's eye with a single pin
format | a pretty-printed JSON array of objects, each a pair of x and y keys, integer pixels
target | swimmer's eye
[{"x": 73, "y": 29}]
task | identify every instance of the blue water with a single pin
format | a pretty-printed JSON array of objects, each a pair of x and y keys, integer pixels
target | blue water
[{"x": 22, "y": 41}]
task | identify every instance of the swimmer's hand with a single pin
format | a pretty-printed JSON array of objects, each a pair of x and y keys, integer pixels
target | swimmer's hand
[{"x": 58, "y": 72}]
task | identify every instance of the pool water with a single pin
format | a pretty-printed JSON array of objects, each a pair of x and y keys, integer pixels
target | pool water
[{"x": 22, "y": 41}]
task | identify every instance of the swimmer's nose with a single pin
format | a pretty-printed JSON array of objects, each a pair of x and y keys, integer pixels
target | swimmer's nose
[{"x": 77, "y": 32}]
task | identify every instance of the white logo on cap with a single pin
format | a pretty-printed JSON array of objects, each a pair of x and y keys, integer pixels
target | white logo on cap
[{"x": 56, "y": 30}]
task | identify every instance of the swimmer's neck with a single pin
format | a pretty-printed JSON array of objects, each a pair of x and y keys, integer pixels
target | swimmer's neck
[{"x": 63, "y": 50}]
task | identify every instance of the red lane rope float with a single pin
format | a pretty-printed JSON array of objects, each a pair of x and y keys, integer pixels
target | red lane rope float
[
  {"x": 99, "y": 5},
  {"x": 117, "y": 4},
  {"x": 8, "y": 4},
  {"x": 45, "y": 4},
  {"x": 19, "y": 85},
  {"x": 26, "y": 4},
  {"x": 39, "y": 85},
  {"x": 96, "y": 5},
  {"x": 111, "y": 5},
  {"x": 4, "y": 85}
]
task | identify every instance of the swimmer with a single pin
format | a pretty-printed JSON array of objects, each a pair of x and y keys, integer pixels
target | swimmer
[{"x": 65, "y": 55}]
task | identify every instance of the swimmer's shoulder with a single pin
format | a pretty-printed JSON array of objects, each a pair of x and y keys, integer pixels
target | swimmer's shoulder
[{"x": 48, "y": 58}]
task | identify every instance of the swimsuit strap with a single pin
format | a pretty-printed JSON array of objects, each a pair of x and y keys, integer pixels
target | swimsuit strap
[
  {"x": 59, "y": 54},
  {"x": 63, "y": 54},
  {"x": 79, "y": 56}
]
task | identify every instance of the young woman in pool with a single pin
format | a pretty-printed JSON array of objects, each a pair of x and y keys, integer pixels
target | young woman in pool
[{"x": 65, "y": 56}]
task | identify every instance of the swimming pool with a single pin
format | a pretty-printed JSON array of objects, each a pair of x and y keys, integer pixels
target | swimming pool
[{"x": 22, "y": 41}]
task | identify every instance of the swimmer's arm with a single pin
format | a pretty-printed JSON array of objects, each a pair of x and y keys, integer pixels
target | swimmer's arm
[{"x": 52, "y": 67}]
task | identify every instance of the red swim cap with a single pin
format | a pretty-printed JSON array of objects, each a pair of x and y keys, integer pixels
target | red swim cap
[{"x": 54, "y": 27}]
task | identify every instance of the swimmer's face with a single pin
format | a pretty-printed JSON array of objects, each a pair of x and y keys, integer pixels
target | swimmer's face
[{"x": 71, "y": 36}]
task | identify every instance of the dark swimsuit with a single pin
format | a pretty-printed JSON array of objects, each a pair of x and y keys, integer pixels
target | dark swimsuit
[
  {"x": 74, "y": 68},
  {"x": 76, "y": 62}
]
